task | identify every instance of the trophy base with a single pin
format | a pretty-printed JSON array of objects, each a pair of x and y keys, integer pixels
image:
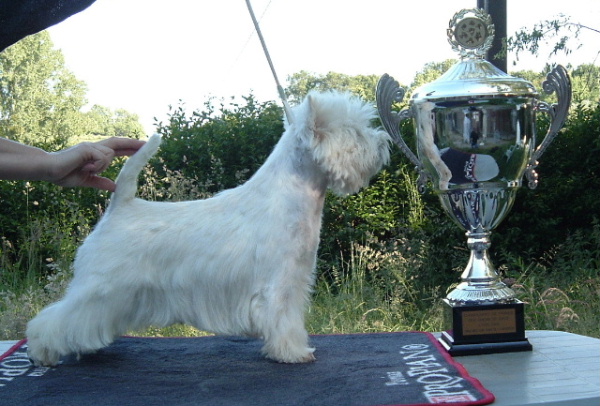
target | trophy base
[{"x": 484, "y": 328}]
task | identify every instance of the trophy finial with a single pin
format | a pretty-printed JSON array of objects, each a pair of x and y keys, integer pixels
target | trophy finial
[{"x": 471, "y": 32}]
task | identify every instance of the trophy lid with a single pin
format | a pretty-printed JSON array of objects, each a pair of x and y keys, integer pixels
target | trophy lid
[{"x": 471, "y": 33}]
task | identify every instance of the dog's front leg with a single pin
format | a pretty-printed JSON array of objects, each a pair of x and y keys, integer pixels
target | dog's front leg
[{"x": 279, "y": 318}]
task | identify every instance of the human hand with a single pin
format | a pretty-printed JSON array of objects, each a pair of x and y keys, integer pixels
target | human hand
[{"x": 81, "y": 165}]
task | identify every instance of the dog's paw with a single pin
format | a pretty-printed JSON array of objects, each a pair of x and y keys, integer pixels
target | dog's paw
[
  {"x": 309, "y": 357},
  {"x": 41, "y": 356},
  {"x": 291, "y": 357}
]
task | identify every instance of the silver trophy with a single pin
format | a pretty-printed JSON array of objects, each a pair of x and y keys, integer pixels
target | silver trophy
[{"x": 475, "y": 140}]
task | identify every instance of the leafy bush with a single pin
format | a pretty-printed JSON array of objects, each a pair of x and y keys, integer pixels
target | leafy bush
[
  {"x": 41, "y": 224},
  {"x": 566, "y": 199},
  {"x": 226, "y": 146}
]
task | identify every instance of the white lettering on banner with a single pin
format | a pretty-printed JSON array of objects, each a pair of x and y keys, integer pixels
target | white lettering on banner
[
  {"x": 437, "y": 384},
  {"x": 424, "y": 371},
  {"x": 453, "y": 383},
  {"x": 453, "y": 397},
  {"x": 396, "y": 378},
  {"x": 18, "y": 364},
  {"x": 426, "y": 361}
]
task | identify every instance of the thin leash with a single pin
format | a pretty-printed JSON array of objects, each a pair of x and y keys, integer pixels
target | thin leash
[{"x": 286, "y": 106}]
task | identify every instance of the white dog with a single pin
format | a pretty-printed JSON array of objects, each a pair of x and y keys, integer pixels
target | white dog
[{"x": 239, "y": 263}]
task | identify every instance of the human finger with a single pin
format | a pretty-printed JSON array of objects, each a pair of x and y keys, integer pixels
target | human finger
[
  {"x": 122, "y": 146},
  {"x": 99, "y": 182}
]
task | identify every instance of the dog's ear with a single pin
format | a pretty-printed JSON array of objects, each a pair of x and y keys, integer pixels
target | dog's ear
[{"x": 314, "y": 120}]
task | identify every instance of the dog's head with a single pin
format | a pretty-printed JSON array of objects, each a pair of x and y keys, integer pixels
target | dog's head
[{"x": 337, "y": 128}]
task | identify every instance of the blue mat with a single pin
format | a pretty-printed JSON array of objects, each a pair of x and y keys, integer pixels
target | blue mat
[{"x": 408, "y": 368}]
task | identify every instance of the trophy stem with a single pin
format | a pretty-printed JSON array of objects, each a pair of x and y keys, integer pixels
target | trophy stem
[
  {"x": 481, "y": 283},
  {"x": 481, "y": 313}
]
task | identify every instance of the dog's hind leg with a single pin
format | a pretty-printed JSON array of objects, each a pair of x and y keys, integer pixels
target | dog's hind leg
[{"x": 71, "y": 326}]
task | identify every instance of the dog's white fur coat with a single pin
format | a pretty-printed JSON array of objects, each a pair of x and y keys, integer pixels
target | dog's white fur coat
[{"x": 239, "y": 263}]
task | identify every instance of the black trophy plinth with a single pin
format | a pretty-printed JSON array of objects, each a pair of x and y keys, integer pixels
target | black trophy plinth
[{"x": 484, "y": 328}]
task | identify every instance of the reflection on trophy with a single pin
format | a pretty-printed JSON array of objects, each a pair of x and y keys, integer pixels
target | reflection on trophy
[{"x": 476, "y": 139}]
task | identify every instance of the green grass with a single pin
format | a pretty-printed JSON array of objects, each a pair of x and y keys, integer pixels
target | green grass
[
  {"x": 564, "y": 303},
  {"x": 372, "y": 293}
]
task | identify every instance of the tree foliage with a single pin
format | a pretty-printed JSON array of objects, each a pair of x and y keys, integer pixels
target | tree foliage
[
  {"x": 302, "y": 82},
  {"x": 560, "y": 33},
  {"x": 41, "y": 101},
  {"x": 40, "y": 98},
  {"x": 430, "y": 72},
  {"x": 585, "y": 81},
  {"x": 102, "y": 121}
]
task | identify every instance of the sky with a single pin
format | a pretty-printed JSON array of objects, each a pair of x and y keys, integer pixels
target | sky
[{"x": 144, "y": 55}]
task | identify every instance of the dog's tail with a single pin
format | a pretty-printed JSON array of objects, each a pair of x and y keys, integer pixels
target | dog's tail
[{"x": 127, "y": 179}]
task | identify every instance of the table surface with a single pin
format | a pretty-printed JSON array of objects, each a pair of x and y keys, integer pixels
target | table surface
[{"x": 563, "y": 369}]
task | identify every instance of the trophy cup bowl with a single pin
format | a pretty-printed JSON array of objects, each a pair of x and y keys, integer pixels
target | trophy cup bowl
[{"x": 475, "y": 130}]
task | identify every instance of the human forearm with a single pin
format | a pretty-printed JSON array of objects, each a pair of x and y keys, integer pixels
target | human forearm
[
  {"x": 75, "y": 166},
  {"x": 22, "y": 162}
]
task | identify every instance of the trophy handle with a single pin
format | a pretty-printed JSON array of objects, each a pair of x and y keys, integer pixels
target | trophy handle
[
  {"x": 388, "y": 92},
  {"x": 556, "y": 81}
]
